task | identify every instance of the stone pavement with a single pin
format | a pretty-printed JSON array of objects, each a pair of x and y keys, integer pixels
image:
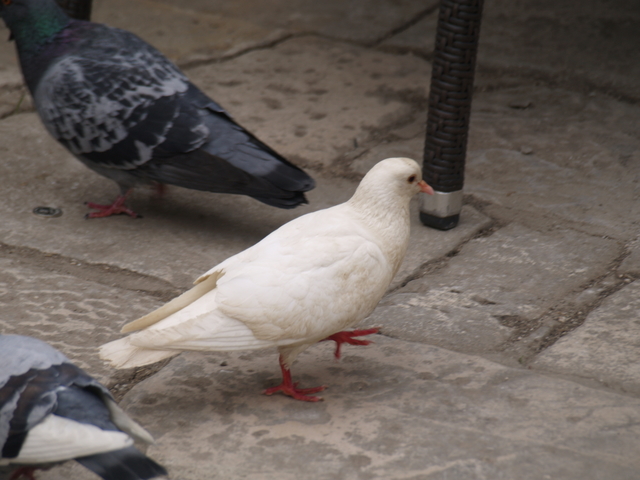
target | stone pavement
[{"x": 510, "y": 345}]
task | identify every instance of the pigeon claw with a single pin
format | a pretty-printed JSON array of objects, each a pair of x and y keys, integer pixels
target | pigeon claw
[
  {"x": 348, "y": 337},
  {"x": 296, "y": 393},
  {"x": 289, "y": 388},
  {"x": 115, "y": 208},
  {"x": 26, "y": 472}
]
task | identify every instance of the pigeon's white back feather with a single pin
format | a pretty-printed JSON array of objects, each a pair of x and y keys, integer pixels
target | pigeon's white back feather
[{"x": 57, "y": 439}]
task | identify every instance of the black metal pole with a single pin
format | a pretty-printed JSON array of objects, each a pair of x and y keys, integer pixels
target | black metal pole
[
  {"x": 449, "y": 110},
  {"x": 78, "y": 9}
]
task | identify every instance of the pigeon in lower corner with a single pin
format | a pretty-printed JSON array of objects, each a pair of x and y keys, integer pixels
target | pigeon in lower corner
[
  {"x": 51, "y": 411},
  {"x": 128, "y": 113}
]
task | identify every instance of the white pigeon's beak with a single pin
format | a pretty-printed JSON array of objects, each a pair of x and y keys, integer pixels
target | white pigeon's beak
[{"x": 424, "y": 188}]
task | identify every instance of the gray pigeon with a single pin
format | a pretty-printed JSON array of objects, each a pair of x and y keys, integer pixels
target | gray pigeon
[
  {"x": 128, "y": 113},
  {"x": 52, "y": 411}
]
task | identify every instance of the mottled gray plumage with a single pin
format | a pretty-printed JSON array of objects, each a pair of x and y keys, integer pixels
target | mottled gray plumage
[
  {"x": 128, "y": 113},
  {"x": 39, "y": 385}
]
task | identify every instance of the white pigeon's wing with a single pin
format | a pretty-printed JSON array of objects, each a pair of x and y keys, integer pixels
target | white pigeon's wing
[
  {"x": 312, "y": 277},
  {"x": 198, "y": 326},
  {"x": 174, "y": 305},
  {"x": 307, "y": 280},
  {"x": 57, "y": 438}
]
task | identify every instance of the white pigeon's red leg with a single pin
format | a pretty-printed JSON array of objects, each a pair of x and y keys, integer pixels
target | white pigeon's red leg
[
  {"x": 27, "y": 472},
  {"x": 115, "y": 208},
  {"x": 289, "y": 388},
  {"x": 348, "y": 337}
]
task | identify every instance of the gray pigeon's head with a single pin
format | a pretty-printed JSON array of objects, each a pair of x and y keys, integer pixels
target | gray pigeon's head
[{"x": 37, "y": 14}]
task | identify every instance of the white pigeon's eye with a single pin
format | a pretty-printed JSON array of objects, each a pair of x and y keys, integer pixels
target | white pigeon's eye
[{"x": 411, "y": 179}]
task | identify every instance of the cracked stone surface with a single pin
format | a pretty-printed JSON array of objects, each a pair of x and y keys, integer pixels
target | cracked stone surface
[
  {"x": 392, "y": 410},
  {"x": 315, "y": 99},
  {"x": 72, "y": 314},
  {"x": 479, "y": 299},
  {"x": 631, "y": 264},
  {"x": 605, "y": 347},
  {"x": 428, "y": 246},
  {"x": 585, "y": 46},
  {"x": 419, "y": 38},
  {"x": 554, "y": 161},
  {"x": 358, "y": 20},
  {"x": 184, "y": 34}
]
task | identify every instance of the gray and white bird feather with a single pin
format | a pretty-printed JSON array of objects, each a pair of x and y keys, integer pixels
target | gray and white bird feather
[
  {"x": 128, "y": 113},
  {"x": 51, "y": 411}
]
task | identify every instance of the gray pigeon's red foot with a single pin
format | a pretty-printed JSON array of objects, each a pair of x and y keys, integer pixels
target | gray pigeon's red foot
[
  {"x": 115, "y": 208},
  {"x": 160, "y": 189},
  {"x": 347, "y": 337},
  {"x": 27, "y": 472},
  {"x": 289, "y": 388}
]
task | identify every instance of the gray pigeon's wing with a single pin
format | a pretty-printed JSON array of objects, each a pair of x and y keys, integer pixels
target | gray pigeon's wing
[
  {"x": 18, "y": 354},
  {"x": 112, "y": 98},
  {"x": 232, "y": 160},
  {"x": 18, "y": 357},
  {"x": 33, "y": 373}
]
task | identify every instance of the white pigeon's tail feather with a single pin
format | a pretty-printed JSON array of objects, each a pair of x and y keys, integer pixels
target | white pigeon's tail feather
[
  {"x": 208, "y": 332},
  {"x": 174, "y": 305},
  {"x": 122, "y": 354}
]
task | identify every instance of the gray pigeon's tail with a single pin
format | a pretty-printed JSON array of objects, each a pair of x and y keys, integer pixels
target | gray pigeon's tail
[
  {"x": 125, "y": 464},
  {"x": 201, "y": 170},
  {"x": 230, "y": 160}
]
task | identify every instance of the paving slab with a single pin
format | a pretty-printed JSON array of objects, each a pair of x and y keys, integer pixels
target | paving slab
[
  {"x": 566, "y": 159},
  {"x": 358, "y": 20},
  {"x": 586, "y": 44},
  {"x": 631, "y": 264},
  {"x": 395, "y": 409},
  {"x": 412, "y": 147},
  {"x": 495, "y": 287},
  {"x": 73, "y": 314},
  {"x": 13, "y": 94},
  {"x": 590, "y": 45},
  {"x": 419, "y": 38},
  {"x": 185, "y": 34},
  {"x": 316, "y": 100},
  {"x": 427, "y": 244},
  {"x": 605, "y": 347}
]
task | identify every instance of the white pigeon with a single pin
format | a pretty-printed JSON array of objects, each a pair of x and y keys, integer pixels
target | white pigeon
[
  {"x": 52, "y": 411},
  {"x": 305, "y": 282}
]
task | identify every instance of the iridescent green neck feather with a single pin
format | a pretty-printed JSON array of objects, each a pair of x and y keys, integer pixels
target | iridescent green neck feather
[{"x": 33, "y": 27}]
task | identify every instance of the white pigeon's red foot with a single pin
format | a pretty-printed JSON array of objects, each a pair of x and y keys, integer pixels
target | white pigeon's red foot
[
  {"x": 289, "y": 388},
  {"x": 115, "y": 208},
  {"x": 348, "y": 337}
]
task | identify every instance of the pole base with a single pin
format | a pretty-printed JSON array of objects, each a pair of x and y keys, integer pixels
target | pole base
[{"x": 446, "y": 223}]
